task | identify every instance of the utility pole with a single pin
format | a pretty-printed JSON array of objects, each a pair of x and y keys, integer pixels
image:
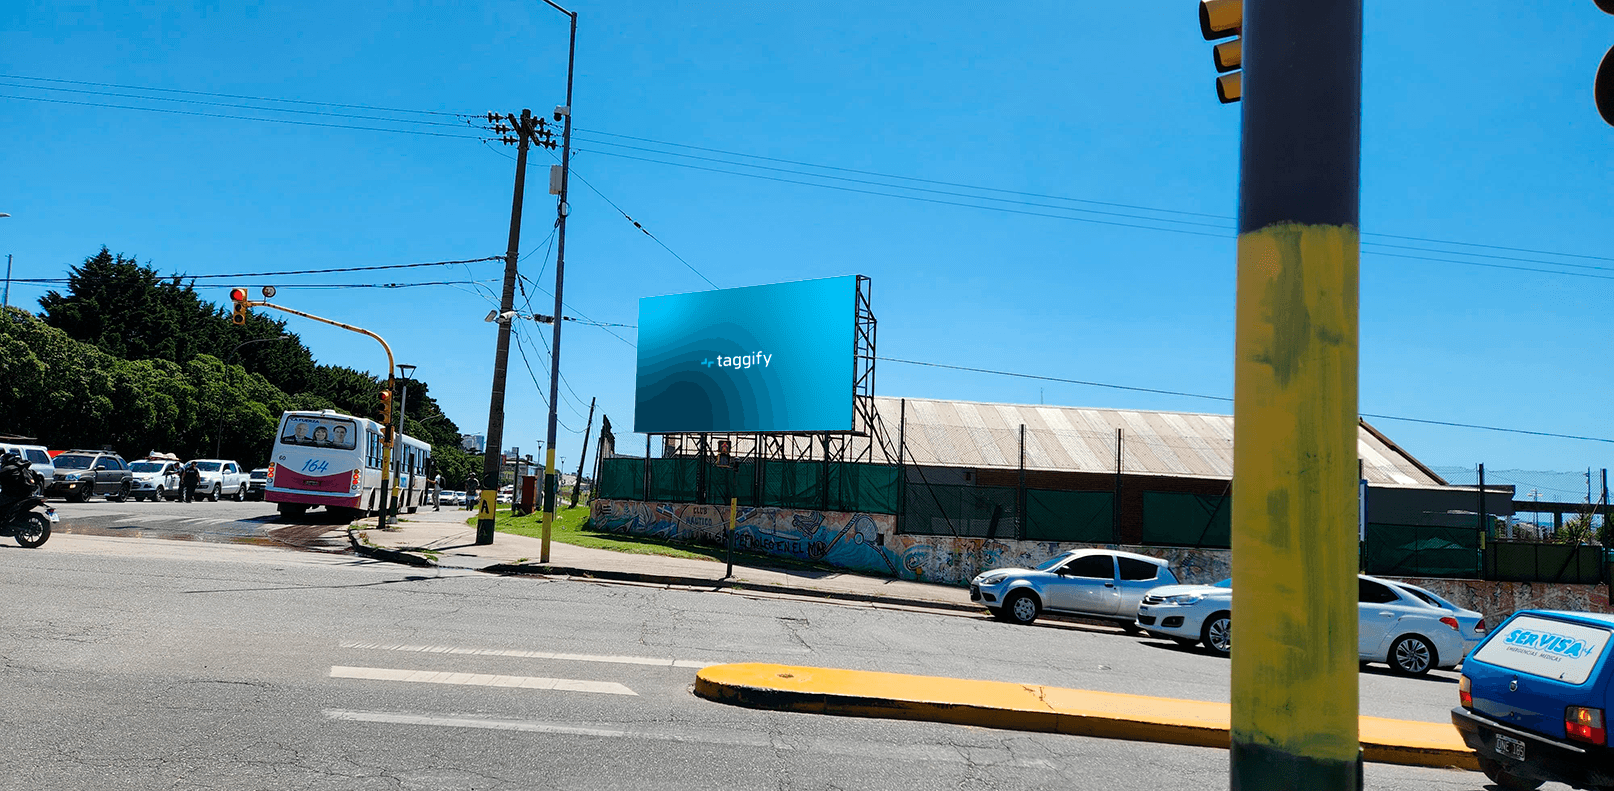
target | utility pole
[
  {"x": 526, "y": 130},
  {"x": 5, "y": 301},
  {"x": 1294, "y": 661},
  {"x": 577, "y": 485},
  {"x": 561, "y": 210}
]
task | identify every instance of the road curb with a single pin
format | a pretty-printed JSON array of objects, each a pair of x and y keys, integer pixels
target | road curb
[
  {"x": 1026, "y": 707},
  {"x": 548, "y": 570},
  {"x": 389, "y": 555}
]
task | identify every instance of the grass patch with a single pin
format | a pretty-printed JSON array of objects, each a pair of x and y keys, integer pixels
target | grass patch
[{"x": 571, "y": 526}]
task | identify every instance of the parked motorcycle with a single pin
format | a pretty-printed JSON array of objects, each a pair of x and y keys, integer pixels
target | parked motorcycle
[{"x": 30, "y": 527}]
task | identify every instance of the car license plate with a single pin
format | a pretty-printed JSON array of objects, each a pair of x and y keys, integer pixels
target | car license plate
[{"x": 1510, "y": 747}]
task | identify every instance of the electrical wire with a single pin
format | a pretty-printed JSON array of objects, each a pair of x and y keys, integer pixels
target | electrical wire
[
  {"x": 344, "y": 269},
  {"x": 230, "y": 95},
  {"x": 172, "y": 111},
  {"x": 799, "y": 163},
  {"x": 1221, "y": 225},
  {"x": 1226, "y": 399},
  {"x": 646, "y": 231},
  {"x": 465, "y": 121}
]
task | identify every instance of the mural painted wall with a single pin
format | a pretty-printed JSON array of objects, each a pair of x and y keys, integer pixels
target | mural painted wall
[{"x": 869, "y": 543}]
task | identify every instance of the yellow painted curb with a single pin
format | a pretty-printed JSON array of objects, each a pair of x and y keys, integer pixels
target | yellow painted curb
[{"x": 1029, "y": 707}]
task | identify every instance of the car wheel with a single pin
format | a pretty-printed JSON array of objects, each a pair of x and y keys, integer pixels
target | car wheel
[
  {"x": 159, "y": 495},
  {"x": 1217, "y": 633},
  {"x": 83, "y": 493},
  {"x": 1412, "y": 656},
  {"x": 1499, "y": 776},
  {"x": 241, "y": 494},
  {"x": 217, "y": 490},
  {"x": 123, "y": 493},
  {"x": 1022, "y": 607}
]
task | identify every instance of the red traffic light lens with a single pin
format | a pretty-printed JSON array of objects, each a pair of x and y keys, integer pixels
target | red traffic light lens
[{"x": 238, "y": 295}]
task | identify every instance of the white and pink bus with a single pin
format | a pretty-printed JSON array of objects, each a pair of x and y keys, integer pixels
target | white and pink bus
[{"x": 334, "y": 460}]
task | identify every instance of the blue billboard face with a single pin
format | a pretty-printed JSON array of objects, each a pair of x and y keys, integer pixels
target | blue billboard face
[{"x": 763, "y": 358}]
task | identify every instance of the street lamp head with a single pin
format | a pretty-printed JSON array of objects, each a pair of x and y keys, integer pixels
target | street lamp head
[
  {"x": 3, "y": 214},
  {"x": 408, "y": 371}
]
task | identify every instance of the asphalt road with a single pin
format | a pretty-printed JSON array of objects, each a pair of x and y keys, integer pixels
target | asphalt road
[
  {"x": 143, "y": 664},
  {"x": 225, "y": 521}
]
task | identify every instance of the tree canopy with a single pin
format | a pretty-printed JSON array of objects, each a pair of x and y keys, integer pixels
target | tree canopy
[{"x": 129, "y": 358}]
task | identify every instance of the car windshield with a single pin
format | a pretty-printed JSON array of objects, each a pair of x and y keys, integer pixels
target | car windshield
[
  {"x": 1053, "y": 561},
  {"x": 66, "y": 462},
  {"x": 146, "y": 466},
  {"x": 207, "y": 466}
]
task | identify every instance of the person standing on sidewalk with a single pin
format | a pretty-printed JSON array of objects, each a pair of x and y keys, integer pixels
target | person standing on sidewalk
[
  {"x": 473, "y": 490},
  {"x": 437, "y": 493}
]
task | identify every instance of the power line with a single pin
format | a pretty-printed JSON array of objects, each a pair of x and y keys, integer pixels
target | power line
[
  {"x": 846, "y": 189},
  {"x": 241, "y": 117},
  {"x": 759, "y": 157},
  {"x": 231, "y": 95},
  {"x": 344, "y": 269},
  {"x": 423, "y": 122},
  {"x": 904, "y": 178},
  {"x": 1221, "y": 225},
  {"x": 643, "y": 229},
  {"x": 1226, "y": 399}
]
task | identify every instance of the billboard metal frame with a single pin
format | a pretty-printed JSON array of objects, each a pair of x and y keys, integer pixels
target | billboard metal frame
[{"x": 803, "y": 446}]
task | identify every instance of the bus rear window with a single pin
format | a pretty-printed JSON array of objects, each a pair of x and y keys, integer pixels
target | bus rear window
[
  {"x": 320, "y": 432},
  {"x": 1547, "y": 648}
]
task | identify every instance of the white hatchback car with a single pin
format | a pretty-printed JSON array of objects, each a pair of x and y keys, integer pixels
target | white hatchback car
[{"x": 1401, "y": 625}]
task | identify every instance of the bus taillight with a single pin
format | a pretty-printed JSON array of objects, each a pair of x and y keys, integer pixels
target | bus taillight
[
  {"x": 269, "y": 478},
  {"x": 353, "y": 487}
]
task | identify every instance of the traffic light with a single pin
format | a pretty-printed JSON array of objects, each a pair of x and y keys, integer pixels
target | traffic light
[
  {"x": 1225, "y": 19},
  {"x": 239, "y": 297},
  {"x": 386, "y": 406},
  {"x": 1603, "y": 90},
  {"x": 724, "y": 458}
]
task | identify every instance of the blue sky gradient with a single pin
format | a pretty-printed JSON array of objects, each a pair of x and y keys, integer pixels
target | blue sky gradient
[{"x": 1478, "y": 127}]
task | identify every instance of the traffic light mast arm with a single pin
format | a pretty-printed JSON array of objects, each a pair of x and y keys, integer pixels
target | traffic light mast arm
[{"x": 387, "y": 428}]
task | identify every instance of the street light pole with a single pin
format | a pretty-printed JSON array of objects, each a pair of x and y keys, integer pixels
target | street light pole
[
  {"x": 5, "y": 301},
  {"x": 562, "y": 209},
  {"x": 218, "y": 435}
]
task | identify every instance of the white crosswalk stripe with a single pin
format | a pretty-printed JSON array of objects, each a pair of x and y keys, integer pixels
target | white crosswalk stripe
[
  {"x": 480, "y": 680},
  {"x": 525, "y": 654}
]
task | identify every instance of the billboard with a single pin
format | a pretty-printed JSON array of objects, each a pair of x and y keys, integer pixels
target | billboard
[{"x": 777, "y": 358}]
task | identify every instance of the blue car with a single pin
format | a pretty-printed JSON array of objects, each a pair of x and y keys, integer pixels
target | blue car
[{"x": 1533, "y": 699}]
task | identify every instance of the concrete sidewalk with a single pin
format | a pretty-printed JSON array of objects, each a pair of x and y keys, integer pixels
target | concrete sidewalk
[
  {"x": 443, "y": 538},
  {"x": 1027, "y": 707}
]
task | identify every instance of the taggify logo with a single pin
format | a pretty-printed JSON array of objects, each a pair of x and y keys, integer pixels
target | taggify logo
[{"x": 742, "y": 361}]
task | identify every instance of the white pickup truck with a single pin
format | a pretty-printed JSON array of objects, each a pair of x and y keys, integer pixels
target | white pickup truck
[{"x": 221, "y": 478}]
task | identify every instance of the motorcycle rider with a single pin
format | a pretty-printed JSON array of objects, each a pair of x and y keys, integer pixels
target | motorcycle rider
[{"x": 16, "y": 481}]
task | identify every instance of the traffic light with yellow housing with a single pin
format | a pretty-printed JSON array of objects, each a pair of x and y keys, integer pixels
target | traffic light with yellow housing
[
  {"x": 239, "y": 297},
  {"x": 1220, "y": 19},
  {"x": 386, "y": 406},
  {"x": 1603, "y": 89}
]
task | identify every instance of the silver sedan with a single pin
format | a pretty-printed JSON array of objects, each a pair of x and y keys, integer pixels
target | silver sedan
[{"x": 1094, "y": 583}]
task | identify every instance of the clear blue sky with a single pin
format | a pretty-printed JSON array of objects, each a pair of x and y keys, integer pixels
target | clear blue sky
[{"x": 1478, "y": 127}]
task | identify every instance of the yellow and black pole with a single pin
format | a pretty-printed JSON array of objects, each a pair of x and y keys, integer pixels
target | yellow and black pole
[{"x": 1294, "y": 675}]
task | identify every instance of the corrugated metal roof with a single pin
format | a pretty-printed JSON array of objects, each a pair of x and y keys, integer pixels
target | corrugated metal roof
[{"x": 1083, "y": 439}]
